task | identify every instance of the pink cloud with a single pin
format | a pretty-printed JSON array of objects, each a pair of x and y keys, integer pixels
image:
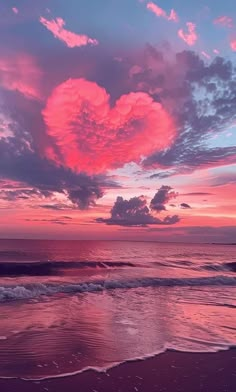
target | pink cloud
[
  {"x": 206, "y": 55},
  {"x": 173, "y": 16},
  {"x": 162, "y": 13},
  {"x": 15, "y": 10},
  {"x": 233, "y": 44},
  {"x": 191, "y": 36},
  {"x": 90, "y": 136},
  {"x": 225, "y": 21},
  {"x": 20, "y": 72},
  {"x": 56, "y": 26},
  {"x": 216, "y": 51}
]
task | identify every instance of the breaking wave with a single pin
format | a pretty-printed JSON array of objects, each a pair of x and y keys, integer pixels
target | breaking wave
[
  {"x": 47, "y": 268},
  {"x": 230, "y": 266},
  {"x": 30, "y": 291}
]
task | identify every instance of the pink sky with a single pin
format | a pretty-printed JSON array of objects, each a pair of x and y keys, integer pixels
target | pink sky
[{"x": 118, "y": 122}]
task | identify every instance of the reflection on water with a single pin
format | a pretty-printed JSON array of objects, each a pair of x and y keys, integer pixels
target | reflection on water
[
  {"x": 140, "y": 252},
  {"x": 67, "y": 333}
]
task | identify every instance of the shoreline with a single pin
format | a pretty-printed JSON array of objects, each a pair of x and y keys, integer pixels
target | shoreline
[{"x": 171, "y": 371}]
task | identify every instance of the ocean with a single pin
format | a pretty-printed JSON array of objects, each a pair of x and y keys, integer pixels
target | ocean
[{"x": 66, "y": 306}]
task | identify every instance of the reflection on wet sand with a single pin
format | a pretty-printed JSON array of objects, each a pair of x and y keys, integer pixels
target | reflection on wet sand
[{"x": 70, "y": 333}]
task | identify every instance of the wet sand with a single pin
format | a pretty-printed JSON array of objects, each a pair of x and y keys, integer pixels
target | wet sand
[{"x": 170, "y": 372}]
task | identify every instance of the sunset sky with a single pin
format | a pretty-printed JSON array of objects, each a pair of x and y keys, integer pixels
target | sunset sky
[{"x": 118, "y": 120}]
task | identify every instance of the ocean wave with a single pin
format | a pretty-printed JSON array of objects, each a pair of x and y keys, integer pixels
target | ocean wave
[
  {"x": 229, "y": 266},
  {"x": 13, "y": 253},
  {"x": 47, "y": 268},
  {"x": 184, "y": 264},
  {"x": 30, "y": 291}
]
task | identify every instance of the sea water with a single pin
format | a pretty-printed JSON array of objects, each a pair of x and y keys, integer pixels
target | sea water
[{"x": 66, "y": 306}]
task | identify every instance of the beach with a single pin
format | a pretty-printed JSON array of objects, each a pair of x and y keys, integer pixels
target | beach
[
  {"x": 170, "y": 372},
  {"x": 117, "y": 317}
]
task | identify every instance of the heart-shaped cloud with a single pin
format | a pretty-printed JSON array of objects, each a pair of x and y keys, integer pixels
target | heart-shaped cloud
[{"x": 89, "y": 136}]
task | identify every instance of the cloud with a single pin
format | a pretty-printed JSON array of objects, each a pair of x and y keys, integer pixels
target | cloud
[
  {"x": 85, "y": 196},
  {"x": 185, "y": 206},
  {"x": 20, "y": 72},
  {"x": 22, "y": 194},
  {"x": 90, "y": 136},
  {"x": 162, "y": 197},
  {"x": 173, "y": 16},
  {"x": 56, "y": 26},
  {"x": 199, "y": 96},
  {"x": 134, "y": 212},
  {"x": 55, "y": 206},
  {"x": 224, "y": 178},
  {"x": 163, "y": 174},
  {"x": 191, "y": 36},
  {"x": 15, "y": 10},
  {"x": 225, "y": 21},
  {"x": 170, "y": 220},
  {"x": 233, "y": 44},
  {"x": 198, "y": 194},
  {"x": 173, "y": 85},
  {"x": 190, "y": 160},
  {"x": 198, "y": 234},
  {"x": 63, "y": 220},
  {"x": 206, "y": 55},
  {"x": 158, "y": 11},
  {"x": 22, "y": 164}
]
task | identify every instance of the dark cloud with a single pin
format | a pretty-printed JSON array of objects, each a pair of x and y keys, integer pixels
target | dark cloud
[
  {"x": 225, "y": 234},
  {"x": 185, "y": 206},
  {"x": 170, "y": 220},
  {"x": 200, "y": 96},
  {"x": 134, "y": 212},
  {"x": 197, "y": 194},
  {"x": 163, "y": 174},
  {"x": 85, "y": 195},
  {"x": 189, "y": 159},
  {"x": 20, "y": 163},
  {"x": 22, "y": 194},
  {"x": 55, "y": 206},
  {"x": 58, "y": 221},
  {"x": 196, "y": 234},
  {"x": 162, "y": 197}
]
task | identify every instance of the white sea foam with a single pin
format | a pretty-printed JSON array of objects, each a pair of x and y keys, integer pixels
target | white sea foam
[
  {"x": 112, "y": 365},
  {"x": 29, "y": 291}
]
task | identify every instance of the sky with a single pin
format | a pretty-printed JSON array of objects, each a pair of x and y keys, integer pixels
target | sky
[{"x": 118, "y": 120}]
